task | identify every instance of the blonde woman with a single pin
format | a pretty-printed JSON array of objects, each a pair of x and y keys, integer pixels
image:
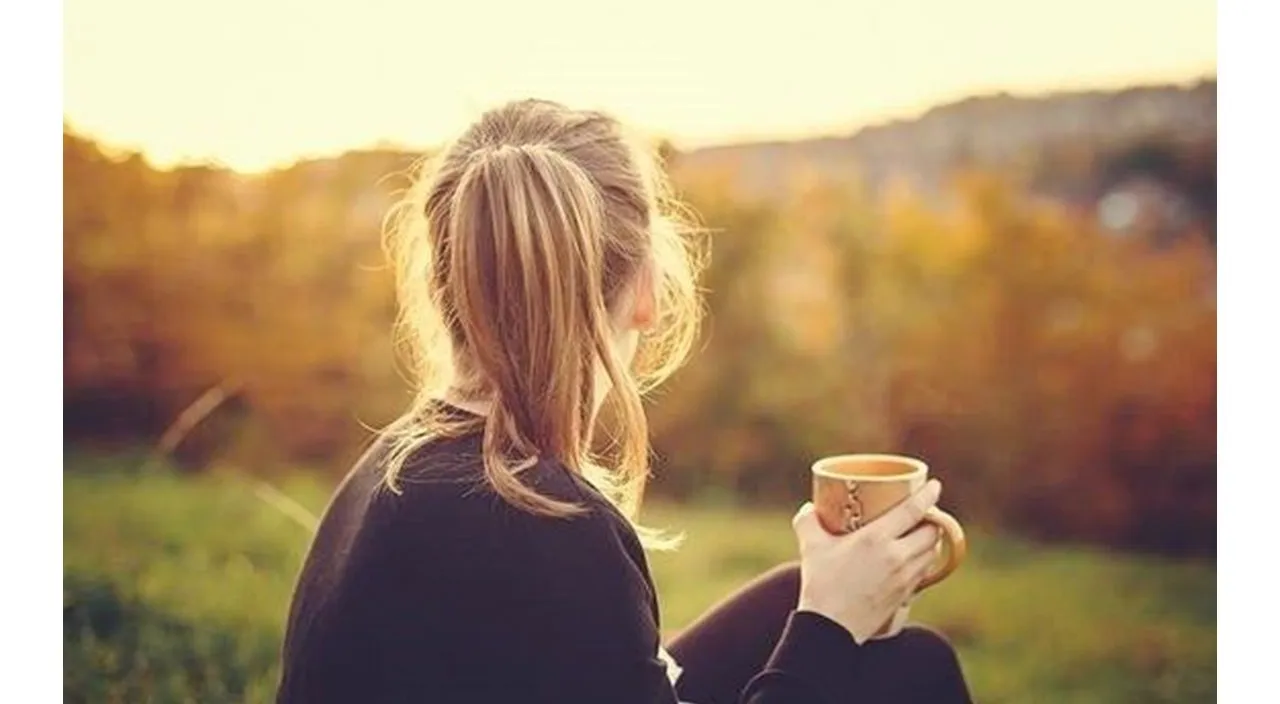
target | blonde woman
[{"x": 480, "y": 552}]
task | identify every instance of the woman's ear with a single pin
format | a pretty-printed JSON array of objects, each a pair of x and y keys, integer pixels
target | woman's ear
[{"x": 644, "y": 308}]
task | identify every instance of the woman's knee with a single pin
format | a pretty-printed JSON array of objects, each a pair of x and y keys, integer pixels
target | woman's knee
[
  {"x": 784, "y": 568},
  {"x": 929, "y": 647},
  {"x": 780, "y": 583},
  {"x": 788, "y": 572},
  {"x": 780, "y": 587},
  {"x": 927, "y": 657}
]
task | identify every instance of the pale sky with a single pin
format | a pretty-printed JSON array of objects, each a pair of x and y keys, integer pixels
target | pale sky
[{"x": 258, "y": 83}]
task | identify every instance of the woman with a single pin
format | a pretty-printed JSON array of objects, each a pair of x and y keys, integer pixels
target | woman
[{"x": 480, "y": 551}]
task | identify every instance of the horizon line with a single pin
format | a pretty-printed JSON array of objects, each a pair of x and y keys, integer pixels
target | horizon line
[{"x": 687, "y": 145}]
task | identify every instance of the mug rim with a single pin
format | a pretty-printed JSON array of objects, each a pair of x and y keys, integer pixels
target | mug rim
[{"x": 919, "y": 467}]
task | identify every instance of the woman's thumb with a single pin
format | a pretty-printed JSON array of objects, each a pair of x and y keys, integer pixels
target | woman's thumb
[{"x": 805, "y": 522}]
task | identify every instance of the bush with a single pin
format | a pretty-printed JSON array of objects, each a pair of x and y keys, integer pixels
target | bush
[{"x": 120, "y": 649}]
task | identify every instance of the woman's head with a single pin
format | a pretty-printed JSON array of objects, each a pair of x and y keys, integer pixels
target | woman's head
[{"x": 541, "y": 269}]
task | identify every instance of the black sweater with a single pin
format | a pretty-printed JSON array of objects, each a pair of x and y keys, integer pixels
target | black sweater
[{"x": 445, "y": 593}]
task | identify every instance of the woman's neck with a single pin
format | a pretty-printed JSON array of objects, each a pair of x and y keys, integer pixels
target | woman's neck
[
  {"x": 478, "y": 406},
  {"x": 483, "y": 406}
]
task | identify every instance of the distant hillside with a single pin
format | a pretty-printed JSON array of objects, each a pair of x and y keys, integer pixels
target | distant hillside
[
  {"x": 1134, "y": 154},
  {"x": 996, "y": 130}
]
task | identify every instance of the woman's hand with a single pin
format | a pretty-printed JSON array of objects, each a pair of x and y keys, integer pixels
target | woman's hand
[{"x": 859, "y": 579}]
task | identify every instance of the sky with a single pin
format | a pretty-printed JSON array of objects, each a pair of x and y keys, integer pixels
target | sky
[{"x": 259, "y": 83}]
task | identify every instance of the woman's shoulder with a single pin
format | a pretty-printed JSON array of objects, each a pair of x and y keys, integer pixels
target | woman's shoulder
[{"x": 443, "y": 491}]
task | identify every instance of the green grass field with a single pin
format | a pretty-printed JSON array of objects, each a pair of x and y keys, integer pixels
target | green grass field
[{"x": 175, "y": 591}]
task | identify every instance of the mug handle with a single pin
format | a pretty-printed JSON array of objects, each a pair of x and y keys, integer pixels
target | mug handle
[{"x": 957, "y": 548}]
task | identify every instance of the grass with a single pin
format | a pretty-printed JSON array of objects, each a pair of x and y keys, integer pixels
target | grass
[
  {"x": 175, "y": 590},
  {"x": 1032, "y": 624}
]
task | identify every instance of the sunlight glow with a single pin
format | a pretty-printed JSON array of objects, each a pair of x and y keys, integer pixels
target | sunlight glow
[{"x": 254, "y": 83}]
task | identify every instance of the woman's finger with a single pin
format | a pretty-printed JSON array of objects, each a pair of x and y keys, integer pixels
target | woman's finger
[
  {"x": 806, "y": 525},
  {"x": 916, "y": 569},
  {"x": 923, "y": 539},
  {"x": 906, "y": 515}
]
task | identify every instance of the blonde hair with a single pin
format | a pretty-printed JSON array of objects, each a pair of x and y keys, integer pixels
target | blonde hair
[{"x": 512, "y": 250}]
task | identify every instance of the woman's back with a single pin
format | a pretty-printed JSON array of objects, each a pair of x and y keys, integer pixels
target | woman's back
[{"x": 447, "y": 589}]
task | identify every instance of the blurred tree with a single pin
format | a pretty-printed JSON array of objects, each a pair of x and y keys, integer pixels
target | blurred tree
[{"x": 1061, "y": 381}]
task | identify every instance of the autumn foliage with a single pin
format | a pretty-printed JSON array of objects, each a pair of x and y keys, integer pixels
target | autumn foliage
[{"x": 1060, "y": 378}]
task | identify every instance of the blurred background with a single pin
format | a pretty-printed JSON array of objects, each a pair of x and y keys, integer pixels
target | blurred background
[{"x": 981, "y": 233}]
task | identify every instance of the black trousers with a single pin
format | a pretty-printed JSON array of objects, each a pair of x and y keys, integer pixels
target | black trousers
[{"x": 730, "y": 643}]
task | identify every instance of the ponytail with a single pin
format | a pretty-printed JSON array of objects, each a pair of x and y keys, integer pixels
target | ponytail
[
  {"x": 522, "y": 279},
  {"x": 511, "y": 252}
]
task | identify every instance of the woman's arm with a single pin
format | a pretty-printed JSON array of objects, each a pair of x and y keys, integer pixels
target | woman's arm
[
  {"x": 589, "y": 628},
  {"x": 611, "y": 633},
  {"x": 813, "y": 663}
]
